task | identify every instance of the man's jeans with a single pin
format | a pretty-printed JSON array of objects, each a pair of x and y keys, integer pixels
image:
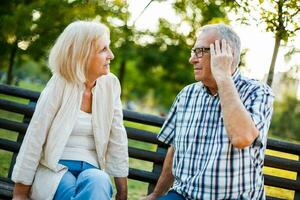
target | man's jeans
[{"x": 83, "y": 181}]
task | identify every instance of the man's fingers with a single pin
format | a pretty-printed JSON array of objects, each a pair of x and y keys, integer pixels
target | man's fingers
[
  {"x": 217, "y": 45},
  {"x": 224, "y": 46},
  {"x": 229, "y": 50},
  {"x": 212, "y": 49}
]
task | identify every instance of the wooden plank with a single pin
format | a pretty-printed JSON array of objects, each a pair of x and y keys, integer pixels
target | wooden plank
[
  {"x": 141, "y": 154},
  {"x": 19, "y": 92},
  {"x": 13, "y": 125},
  {"x": 9, "y": 145},
  {"x": 143, "y": 176},
  {"x": 283, "y": 146},
  {"x": 282, "y": 163},
  {"x": 17, "y": 107},
  {"x": 142, "y": 135},
  {"x": 282, "y": 182},
  {"x": 147, "y": 119}
]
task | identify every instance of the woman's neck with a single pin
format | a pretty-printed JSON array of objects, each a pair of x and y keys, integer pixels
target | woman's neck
[{"x": 89, "y": 84}]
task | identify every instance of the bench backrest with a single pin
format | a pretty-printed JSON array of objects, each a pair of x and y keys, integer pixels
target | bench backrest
[{"x": 154, "y": 156}]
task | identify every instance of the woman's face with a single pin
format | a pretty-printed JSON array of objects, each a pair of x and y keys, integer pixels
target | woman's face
[{"x": 99, "y": 60}]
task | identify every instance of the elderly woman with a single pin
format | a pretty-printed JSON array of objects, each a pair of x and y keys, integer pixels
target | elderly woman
[{"x": 76, "y": 136}]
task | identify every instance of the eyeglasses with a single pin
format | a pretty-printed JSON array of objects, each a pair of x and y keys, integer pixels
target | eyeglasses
[{"x": 199, "y": 52}]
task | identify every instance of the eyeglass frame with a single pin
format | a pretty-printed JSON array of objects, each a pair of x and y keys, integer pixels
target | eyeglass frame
[{"x": 202, "y": 51}]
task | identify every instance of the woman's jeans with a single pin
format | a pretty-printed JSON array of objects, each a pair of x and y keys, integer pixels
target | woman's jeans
[{"x": 83, "y": 181}]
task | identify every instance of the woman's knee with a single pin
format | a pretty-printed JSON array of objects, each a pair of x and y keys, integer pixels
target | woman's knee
[
  {"x": 95, "y": 176},
  {"x": 67, "y": 187}
]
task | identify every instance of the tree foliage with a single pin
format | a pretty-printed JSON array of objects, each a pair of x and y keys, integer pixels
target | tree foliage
[
  {"x": 281, "y": 17},
  {"x": 146, "y": 62},
  {"x": 30, "y": 27}
]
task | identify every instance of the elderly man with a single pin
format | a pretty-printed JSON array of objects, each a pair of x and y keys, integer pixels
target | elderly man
[{"x": 217, "y": 127}]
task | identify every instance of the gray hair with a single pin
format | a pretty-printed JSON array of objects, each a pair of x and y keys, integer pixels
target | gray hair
[{"x": 227, "y": 33}]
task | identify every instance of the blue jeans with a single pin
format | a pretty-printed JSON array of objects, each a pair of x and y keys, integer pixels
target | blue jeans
[
  {"x": 172, "y": 195},
  {"x": 83, "y": 181}
]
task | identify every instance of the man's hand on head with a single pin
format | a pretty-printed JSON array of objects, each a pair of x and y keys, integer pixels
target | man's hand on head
[{"x": 221, "y": 60}]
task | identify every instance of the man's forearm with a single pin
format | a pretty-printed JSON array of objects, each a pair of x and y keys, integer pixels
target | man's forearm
[
  {"x": 121, "y": 186},
  {"x": 240, "y": 128},
  {"x": 166, "y": 178}
]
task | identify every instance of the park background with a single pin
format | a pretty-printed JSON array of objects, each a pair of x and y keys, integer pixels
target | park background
[{"x": 151, "y": 41}]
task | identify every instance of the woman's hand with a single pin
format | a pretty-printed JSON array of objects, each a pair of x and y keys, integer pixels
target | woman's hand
[
  {"x": 21, "y": 191},
  {"x": 121, "y": 196},
  {"x": 20, "y": 197},
  {"x": 121, "y": 186}
]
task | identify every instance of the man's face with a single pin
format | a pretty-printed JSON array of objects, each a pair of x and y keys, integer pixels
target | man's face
[{"x": 202, "y": 69}]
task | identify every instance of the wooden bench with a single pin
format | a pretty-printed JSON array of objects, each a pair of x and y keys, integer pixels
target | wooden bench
[{"x": 8, "y": 104}]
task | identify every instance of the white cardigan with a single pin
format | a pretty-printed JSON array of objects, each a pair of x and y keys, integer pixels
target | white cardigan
[{"x": 52, "y": 123}]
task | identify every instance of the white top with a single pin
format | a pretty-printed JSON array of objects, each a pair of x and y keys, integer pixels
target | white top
[{"x": 81, "y": 143}]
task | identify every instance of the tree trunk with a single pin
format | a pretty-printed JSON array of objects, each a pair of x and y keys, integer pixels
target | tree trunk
[
  {"x": 274, "y": 57},
  {"x": 122, "y": 72},
  {"x": 9, "y": 76}
]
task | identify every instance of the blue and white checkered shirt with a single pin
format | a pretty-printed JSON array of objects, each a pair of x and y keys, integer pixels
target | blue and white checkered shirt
[{"x": 206, "y": 165}]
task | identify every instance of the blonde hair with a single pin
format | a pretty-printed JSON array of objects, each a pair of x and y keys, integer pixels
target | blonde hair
[{"x": 70, "y": 53}]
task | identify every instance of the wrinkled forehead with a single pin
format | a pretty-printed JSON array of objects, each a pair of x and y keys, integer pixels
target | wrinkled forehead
[{"x": 205, "y": 38}]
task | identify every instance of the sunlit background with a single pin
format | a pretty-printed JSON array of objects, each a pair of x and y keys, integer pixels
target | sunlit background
[
  {"x": 151, "y": 40},
  {"x": 259, "y": 43}
]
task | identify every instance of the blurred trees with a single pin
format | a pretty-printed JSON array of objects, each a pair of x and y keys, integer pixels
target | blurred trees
[
  {"x": 146, "y": 62},
  {"x": 281, "y": 17},
  {"x": 29, "y": 28},
  {"x": 164, "y": 61},
  {"x": 285, "y": 122}
]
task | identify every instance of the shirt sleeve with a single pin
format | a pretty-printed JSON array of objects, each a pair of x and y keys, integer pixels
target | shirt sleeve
[
  {"x": 117, "y": 150},
  {"x": 167, "y": 131},
  {"x": 260, "y": 108}
]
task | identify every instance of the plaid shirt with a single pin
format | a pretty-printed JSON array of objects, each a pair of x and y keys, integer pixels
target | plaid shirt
[{"x": 205, "y": 164}]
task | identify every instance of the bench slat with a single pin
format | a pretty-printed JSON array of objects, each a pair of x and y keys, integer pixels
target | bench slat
[
  {"x": 9, "y": 145},
  {"x": 282, "y": 182},
  {"x": 143, "y": 176},
  {"x": 273, "y": 198},
  {"x": 13, "y": 125},
  {"x": 19, "y": 92},
  {"x": 142, "y": 135},
  {"x": 147, "y": 119},
  {"x": 282, "y": 163},
  {"x": 15, "y": 107},
  {"x": 146, "y": 155},
  {"x": 283, "y": 146}
]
